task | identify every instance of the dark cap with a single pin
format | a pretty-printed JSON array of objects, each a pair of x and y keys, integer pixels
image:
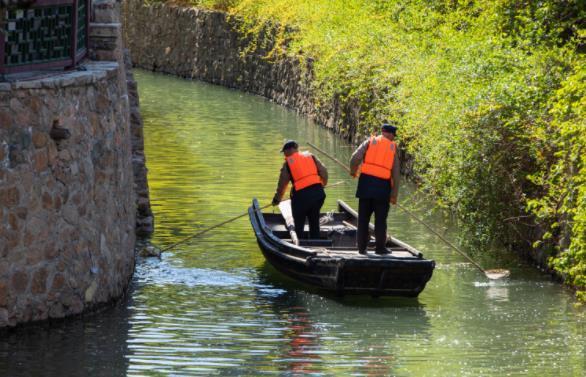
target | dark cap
[
  {"x": 389, "y": 128},
  {"x": 289, "y": 144}
]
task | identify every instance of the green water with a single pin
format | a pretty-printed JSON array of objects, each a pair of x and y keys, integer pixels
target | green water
[{"x": 214, "y": 307}]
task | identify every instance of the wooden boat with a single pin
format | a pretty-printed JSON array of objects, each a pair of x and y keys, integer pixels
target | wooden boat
[{"x": 332, "y": 262}]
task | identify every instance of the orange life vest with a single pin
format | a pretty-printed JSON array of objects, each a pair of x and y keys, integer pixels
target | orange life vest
[
  {"x": 379, "y": 158},
  {"x": 303, "y": 170}
]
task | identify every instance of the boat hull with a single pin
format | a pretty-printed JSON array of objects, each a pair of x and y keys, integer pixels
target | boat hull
[{"x": 341, "y": 269}]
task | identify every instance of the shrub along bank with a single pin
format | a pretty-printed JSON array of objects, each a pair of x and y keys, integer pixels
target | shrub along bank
[{"x": 490, "y": 97}]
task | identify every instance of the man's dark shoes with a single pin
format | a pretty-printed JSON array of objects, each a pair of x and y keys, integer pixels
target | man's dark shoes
[
  {"x": 384, "y": 251},
  {"x": 362, "y": 252}
]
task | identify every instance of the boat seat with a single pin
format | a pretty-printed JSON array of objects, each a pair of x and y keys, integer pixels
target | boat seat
[{"x": 316, "y": 242}]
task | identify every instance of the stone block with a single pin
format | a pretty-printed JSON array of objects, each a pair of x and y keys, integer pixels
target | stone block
[
  {"x": 29, "y": 238},
  {"x": 53, "y": 153},
  {"x": 106, "y": 11},
  {"x": 41, "y": 161},
  {"x": 61, "y": 266},
  {"x": 20, "y": 281},
  {"x": 47, "y": 200},
  {"x": 58, "y": 282},
  {"x": 3, "y": 294},
  {"x": 9, "y": 197},
  {"x": 49, "y": 84},
  {"x": 12, "y": 240},
  {"x": 35, "y": 104},
  {"x": 32, "y": 84},
  {"x": 70, "y": 214},
  {"x": 65, "y": 155},
  {"x": 105, "y": 30},
  {"x": 51, "y": 251},
  {"x": 4, "y": 320},
  {"x": 105, "y": 55},
  {"x": 57, "y": 203},
  {"x": 13, "y": 221},
  {"x": 34, "y": 255},
  {"x": 57, "y": 310},
  {"x": 22, "y": 213},
  {"x": 39, "y": 282},
  {"x": 39, "y": 139},
  {"x": 90, "y": 292}
]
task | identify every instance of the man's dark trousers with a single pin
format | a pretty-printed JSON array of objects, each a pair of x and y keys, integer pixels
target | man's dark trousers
[
  {"x": 373, "y": 195},
  {"x": 366, "y": 207},
  {"x": 306, "y": 204}
]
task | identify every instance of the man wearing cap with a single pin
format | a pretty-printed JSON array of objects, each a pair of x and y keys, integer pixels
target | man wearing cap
[
  {"x": 309, "y": 176},
  {"x": 378, "y": 185}
]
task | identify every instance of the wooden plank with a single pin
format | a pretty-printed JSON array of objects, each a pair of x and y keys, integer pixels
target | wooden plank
[{"x": 287, "y": 213}]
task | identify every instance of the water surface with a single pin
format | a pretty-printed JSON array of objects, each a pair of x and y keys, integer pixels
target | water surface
[{"x": 214, "y": 307}]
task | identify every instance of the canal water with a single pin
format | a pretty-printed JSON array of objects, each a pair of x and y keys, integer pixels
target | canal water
[{"x": 213, "y": 306}]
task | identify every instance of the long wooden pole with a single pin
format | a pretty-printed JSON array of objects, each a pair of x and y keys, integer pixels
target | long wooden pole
[
  {"x": 210, "y": 228},
  {"x": 491, "y": 274},
  {"x": 224, "y": 223}
]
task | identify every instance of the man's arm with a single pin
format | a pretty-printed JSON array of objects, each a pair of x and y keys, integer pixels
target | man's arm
[
  {"x": 322, "y": 171},
  {"x": 284, "y": 178},
  {"x": 358, "y": 157},
  {"x": 396, "y": 175}
]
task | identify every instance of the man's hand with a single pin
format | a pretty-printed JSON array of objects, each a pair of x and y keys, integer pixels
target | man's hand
[
  {"x": 393, "y": 200},
  {"x": 275, "y": 201}
]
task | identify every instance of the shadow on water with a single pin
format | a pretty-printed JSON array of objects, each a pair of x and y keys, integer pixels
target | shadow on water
[
  {"x": 268, "y": 275},
  {"x": 91, "y": 345},
  {"x": 356, "y": 309}
]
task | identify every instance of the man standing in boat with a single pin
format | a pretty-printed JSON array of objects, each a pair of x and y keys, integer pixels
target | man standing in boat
[
  {"x": 309, "y": 176},
  {"x": 378, "y": 185}
]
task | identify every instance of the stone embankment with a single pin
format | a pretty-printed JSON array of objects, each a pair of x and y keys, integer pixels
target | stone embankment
[
  {"x": 107, "y": 44},
  {"x": 68, "y": 203},
  {"x": 65, "y": 194}
]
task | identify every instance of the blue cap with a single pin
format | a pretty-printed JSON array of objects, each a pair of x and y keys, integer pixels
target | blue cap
[
  {"x": 386, "y": 127},
  {"x": 289, "y": 144}
]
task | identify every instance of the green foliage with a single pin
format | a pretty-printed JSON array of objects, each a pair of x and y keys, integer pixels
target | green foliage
[
  {"x": 563, "y": 175},
  {"x": 489, "y": 96}
]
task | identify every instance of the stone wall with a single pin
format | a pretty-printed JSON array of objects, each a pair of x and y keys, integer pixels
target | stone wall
[
  {"x": 205, "y": 45},
  {"x": 66, "y": 199},
  {"x": 106, "y": 44},
  {"x": 144, "y": 215},
  {"x": 71, "y": 163}
]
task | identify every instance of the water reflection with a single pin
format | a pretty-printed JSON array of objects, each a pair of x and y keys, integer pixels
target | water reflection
[
  {"x": 497, "y": 293},
  {"x": 93, "y": 345},
  {"x": 302, "y": 353}
]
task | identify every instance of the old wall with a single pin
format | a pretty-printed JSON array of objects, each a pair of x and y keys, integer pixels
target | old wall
[
  {"x": 66, "y": 199},
  {"x": 106, "y": 44},
  {"x": 205, "y": 45},
  {"x": 72, "y": 181}
]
